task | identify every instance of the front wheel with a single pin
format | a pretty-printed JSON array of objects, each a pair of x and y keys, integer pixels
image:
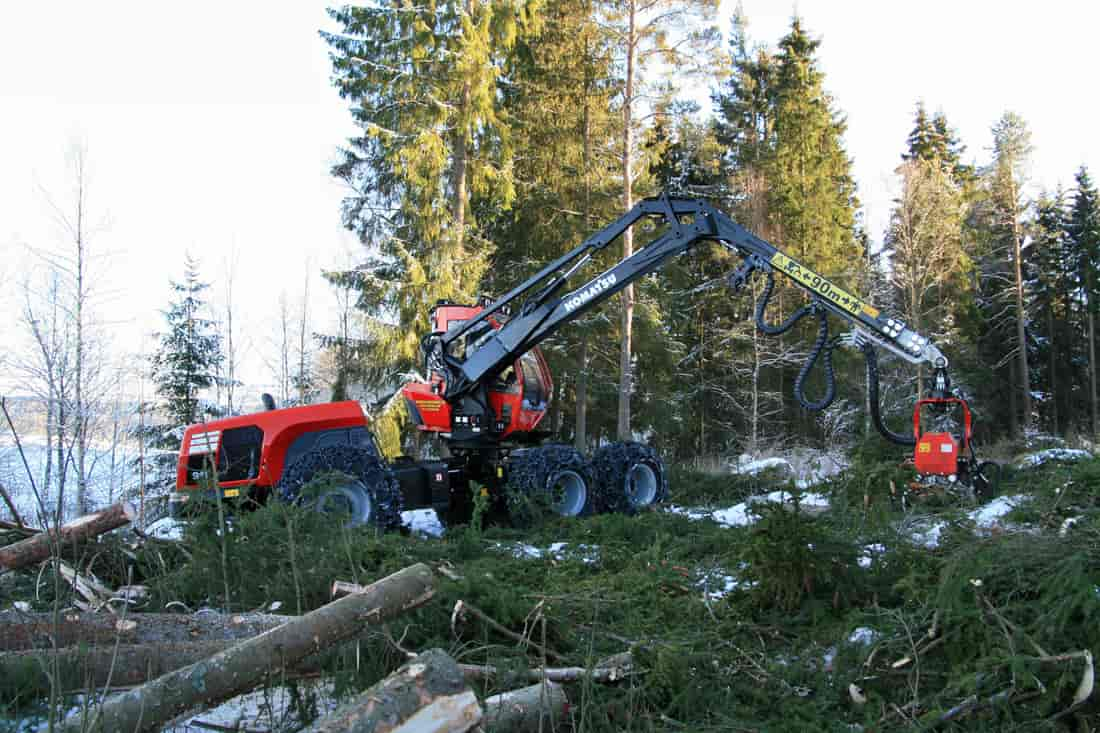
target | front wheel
[
  {"x": 630, "y": 477},
  {"x": 341, "y": 480}
]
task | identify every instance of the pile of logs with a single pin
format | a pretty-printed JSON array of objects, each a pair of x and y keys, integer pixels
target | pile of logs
[{"x": 171, "y": 665}]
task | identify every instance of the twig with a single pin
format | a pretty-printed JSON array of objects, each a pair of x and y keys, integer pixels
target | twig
[
  {"x": 462, "y": 606},
  {"x": 11, "y": 507}
]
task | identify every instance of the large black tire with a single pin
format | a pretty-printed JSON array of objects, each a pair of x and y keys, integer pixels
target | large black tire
[
  {"x": 549, "y": 477},
  {"x": 346, "y": 480},
  {"x": 629, "y": 477}
]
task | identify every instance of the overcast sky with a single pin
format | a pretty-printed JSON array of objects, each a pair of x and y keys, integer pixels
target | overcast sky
[{"x": 211, "y": 126}]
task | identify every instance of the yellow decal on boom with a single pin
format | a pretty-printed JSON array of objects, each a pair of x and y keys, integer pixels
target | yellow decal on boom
[
  {"x": 429, "y": 405},
  {"x": 811, "y": 280}
]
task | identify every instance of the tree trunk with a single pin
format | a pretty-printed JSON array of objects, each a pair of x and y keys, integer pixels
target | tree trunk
[
  {"x": 461, "y": 155},
  {"x": 427, "y": 694},
  {"x": 625, "y": 361},
  {"x": 37, "y": 631},
  {"x": 245, "y": 665},
  {"x": 102, "y": 666},
  {"x": 41, "y": 546},
  {"x": 1021, "y": 321},
  {"x": 1013, "y": 417},
  {"x": 1092, "y": 372},
  {"x": 541, "y": 706},
  {"x": 581, "y": 429},
  {"x": 1053, "y": 372}
]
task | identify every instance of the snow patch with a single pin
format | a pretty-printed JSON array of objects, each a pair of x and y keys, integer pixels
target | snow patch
[
  {"x": 717, "y": 583},
  {"x": 424, "y": 522},
  {"x": 588, "y": 554},
  {"x": 927, "y": 533},
  {"x": 1067, "y": 524},
  {"x": 991, "y": 514},
  {"x": 1053, "y": 454},
  {"x": 863, "y": 636},
  {"x": 166, "y": 528},
  {"x": 869, "y": 552},
  {"x": 743, "y": 514}
]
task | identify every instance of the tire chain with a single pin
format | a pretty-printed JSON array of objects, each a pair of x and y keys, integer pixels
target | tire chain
[
  {"x": 609, "y": 467},
  {"x": 385, "y": 492},
  {"x": 529, "y": 470}
]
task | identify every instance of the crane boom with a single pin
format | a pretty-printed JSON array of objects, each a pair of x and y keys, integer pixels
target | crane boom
[{"x": 543, "y": 309}]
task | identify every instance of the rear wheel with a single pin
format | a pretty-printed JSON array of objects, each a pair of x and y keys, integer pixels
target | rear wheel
[
  {"x": 345, "y": 481},
  {"x": 552, "y": 478},
  {"x": 629, "y": 477}
]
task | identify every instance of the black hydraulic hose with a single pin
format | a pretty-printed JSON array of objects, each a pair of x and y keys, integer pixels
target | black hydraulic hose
[
  {"x": 873, "y": 397},
  {"x": 820, "y": 345},
  {"x": 762, "y": 304}
]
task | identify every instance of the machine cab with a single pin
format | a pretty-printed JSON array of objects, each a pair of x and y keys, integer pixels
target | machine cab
[{"x": 518, "y": 397}]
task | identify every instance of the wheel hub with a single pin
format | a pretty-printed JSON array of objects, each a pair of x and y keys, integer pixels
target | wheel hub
[
  {"x": 641, "y": 485},
  {"x": 568, "y": 493}
]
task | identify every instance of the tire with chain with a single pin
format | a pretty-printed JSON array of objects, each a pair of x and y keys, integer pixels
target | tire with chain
[
  {"x": 629, "y": 477},
  {"x": 346, "y": 480},
  {"x": 553, "y": 477}
]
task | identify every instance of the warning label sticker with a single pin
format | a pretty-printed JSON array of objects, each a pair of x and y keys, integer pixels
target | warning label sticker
[{"x": 821, "y": 286}]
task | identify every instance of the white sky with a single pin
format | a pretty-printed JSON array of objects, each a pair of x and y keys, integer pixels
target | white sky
[{"x": 211, "y": 125}]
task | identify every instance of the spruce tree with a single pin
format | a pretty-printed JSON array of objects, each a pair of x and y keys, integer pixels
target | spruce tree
[
  {"x": 812, "y": 192},
  {"x": 1083, "y": 229},
  {"x": 424, "y": 86},
  {"x": 1051, "y": 281},
  {"x": 187, "y": 359}
]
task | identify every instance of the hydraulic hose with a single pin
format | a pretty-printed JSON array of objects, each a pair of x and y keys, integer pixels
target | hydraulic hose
[
  {"x": 762, "y": 304},
  {"x": 873, "y": 398},
  {"x": 820, "y": 345}
]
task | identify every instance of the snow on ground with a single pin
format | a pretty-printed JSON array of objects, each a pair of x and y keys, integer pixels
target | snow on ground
[
  {"x": 166, "y": 528},
  {"x": 991, "y": 514},
  {"x": 269, "y": 709},
  {"x": 424, "y": 522},
  {"x": 717, "y": 583},
  {"x": 863, "y": 635},
  {"x": 588, "y": 554},
  {"x": 869, "y": 551},
  {"x": 742, "y": 514},
  {"x": 807, "y": 466},
  {"x": 1053, "y": 454}
]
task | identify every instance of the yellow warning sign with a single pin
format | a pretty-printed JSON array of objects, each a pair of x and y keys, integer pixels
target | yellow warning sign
[
  {"x": 810, "y": 279},
  {"x": 924, "y": 447},
  {"x": 429, "y": 405}
]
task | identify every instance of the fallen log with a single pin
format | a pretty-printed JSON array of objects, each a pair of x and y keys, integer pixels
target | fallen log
[
  {"x": 341, "y": 588},
  {"x": 425, "y": 695},
  {"x": 24, "y": 631},
  {"x": 526, "y": 709},
  {"x": 38, "y": 547},
  {"x": 607, "y": 671},
  {"x": 243, "y": 666},
  {"x": 80, "y": 668}
]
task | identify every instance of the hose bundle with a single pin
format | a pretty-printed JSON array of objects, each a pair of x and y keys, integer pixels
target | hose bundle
[{"x": 821, "y": 346}]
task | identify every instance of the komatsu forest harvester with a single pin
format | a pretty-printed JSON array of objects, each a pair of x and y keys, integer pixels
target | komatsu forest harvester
[{"x": 487, "y": 389}]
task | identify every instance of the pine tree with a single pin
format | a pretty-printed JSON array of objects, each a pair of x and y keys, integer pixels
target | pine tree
[
  {"x": 187, "y": 360},
  {"x": 424, "y": 85},
  {"x": 1006, "y": 178},
  {"x": 1083, "y": 229}
]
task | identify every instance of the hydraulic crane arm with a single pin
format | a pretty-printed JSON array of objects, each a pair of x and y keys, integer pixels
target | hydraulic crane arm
[{"x": 543, "y": 309}]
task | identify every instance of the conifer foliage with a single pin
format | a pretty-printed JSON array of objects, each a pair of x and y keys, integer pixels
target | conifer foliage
[{"x": 189, "y": 353}]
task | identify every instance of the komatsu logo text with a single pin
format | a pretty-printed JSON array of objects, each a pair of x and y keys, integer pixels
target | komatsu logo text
[{"x": 590, "y": 292}]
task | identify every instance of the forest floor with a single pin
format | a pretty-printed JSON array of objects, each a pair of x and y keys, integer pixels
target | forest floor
[{"x": 742, "y": 614}]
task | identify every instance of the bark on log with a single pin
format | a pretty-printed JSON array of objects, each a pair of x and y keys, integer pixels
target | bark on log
[
  {"x": 426, "y": 694},
  {"x": 24, "y": 631},
  {"x": 83, "y": 668},
  {"x": 608, "y": 671},
  {"x": 245, "y": 665},
  {"x": 522, "y": 710},
  {"x": 40, "y": 546}
]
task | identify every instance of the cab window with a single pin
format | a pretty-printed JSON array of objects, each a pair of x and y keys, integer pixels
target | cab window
[
  {"x": 534, "y": 388},
  {"x": 239, "y": 456}
]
